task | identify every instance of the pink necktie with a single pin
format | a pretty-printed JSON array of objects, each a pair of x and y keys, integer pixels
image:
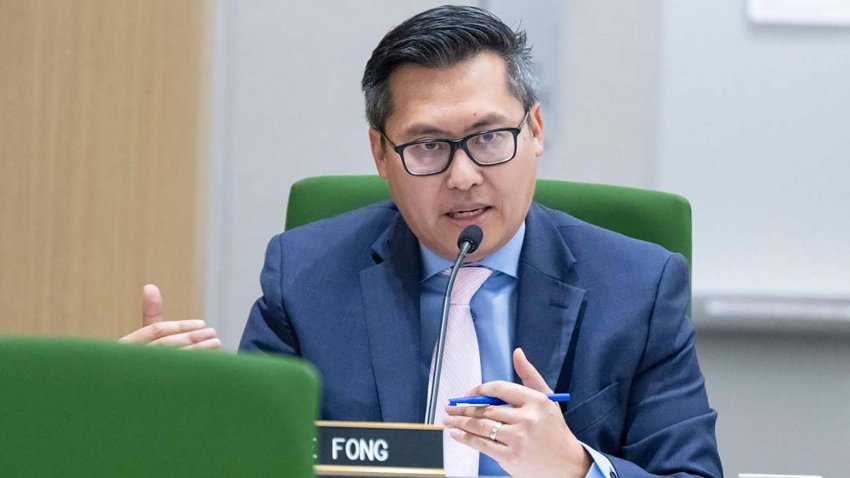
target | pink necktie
[{"x": 461, "y": 368}]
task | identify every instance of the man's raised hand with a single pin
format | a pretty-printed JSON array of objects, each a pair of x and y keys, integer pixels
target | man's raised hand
[
  {"x": 185, "y": 334},
  {"x": 529, "y": 438}
]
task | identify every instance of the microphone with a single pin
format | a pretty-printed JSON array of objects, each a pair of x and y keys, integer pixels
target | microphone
[
  {"x": 471, "y": 236},
  {"x": 468, "y": 241}
]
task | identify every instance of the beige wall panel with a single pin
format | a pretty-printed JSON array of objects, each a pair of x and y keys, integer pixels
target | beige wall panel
[{"x": 100, "y": 162}]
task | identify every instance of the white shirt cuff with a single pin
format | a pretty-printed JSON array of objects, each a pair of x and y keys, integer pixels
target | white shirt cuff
[{"x": 602, "y": 467}]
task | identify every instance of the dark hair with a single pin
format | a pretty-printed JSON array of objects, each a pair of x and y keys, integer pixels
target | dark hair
[{"x": 442, "y": 37}]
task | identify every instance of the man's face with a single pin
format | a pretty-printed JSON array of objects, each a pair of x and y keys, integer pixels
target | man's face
[{"x": 451, "y": 103}]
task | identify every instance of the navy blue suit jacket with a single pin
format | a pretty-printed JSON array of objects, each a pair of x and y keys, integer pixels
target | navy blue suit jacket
[{"x": 600, "y": 315}]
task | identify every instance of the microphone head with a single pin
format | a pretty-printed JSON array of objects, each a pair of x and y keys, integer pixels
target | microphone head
[{"x": 471, "y": 234}]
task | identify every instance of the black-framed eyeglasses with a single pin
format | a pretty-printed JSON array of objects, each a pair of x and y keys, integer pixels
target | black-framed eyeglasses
[{"x": 433, "y": 156}]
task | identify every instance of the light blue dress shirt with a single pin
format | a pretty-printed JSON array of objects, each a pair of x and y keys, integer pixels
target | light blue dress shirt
[{"x": 493, "y": 313}]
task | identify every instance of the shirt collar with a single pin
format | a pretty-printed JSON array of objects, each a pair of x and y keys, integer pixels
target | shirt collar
[{"x": 504, "y": 260}]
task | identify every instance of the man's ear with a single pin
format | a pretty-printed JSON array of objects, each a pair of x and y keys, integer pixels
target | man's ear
[
  {"x": 376, "y": 143},
  {"x": 535, "y": 123}
]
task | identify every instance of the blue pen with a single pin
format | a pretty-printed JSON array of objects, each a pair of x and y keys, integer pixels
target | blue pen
[{"x": 481, "y": 401}]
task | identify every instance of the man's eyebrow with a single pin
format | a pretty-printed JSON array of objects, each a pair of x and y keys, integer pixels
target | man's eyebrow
[
  {"x": 486, "y": 121},
  {"x": 425, "y": 129},
  {"x": 490, "y": 120}
]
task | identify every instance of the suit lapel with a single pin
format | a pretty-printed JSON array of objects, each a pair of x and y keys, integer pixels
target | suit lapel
[
  {"x": 391, "y": 292},
  {"x": 547, "y": 305}
]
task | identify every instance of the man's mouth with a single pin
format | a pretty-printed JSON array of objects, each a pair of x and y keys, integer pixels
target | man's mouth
[{"x": 467, "y": 213}]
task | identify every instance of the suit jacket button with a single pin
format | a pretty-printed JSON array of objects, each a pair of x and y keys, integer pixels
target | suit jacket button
[{"x": 613, "y": 474}]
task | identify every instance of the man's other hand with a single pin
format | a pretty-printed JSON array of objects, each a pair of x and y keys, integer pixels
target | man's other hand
[
  {"x": 533, "y": 439},
  {"x": 185, "y": 334}
]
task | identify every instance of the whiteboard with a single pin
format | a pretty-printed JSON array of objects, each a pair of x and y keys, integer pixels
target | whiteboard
[
  {"x": 753, "y": 130},
  {"x": 806, "y": 12}
]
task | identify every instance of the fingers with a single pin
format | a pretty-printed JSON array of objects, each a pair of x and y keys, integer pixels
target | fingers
[
  {"x": 494, "y": 413},
  {"x": 496, "y": 450},
  {"x": 512, "y": 393},
  {"x": 186, "y": 334},
  {"x": 189, "y": 334},
  {"x": 151, "y": 305},
  {"x": 209, "y": 344},
  {"x": 158, "y": 330},
  {"x": 529, "y": 375},
  {"x": 185, "y": 339},
  {"x": 482, "y": 427},
  {"x": 532, "y": 440},
  {"x": 530, "y": 436}
]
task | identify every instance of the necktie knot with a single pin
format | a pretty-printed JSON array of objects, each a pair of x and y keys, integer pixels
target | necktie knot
[{"x": 467, "y": 283}]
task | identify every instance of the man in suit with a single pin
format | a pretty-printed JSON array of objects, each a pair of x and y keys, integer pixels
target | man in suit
[{"x": 456, "y": 129}]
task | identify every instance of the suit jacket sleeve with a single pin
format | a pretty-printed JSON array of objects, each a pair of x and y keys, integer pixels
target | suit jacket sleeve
[
  {"x": 669, "y": 425},
  {"x": 268, "y": 328}
]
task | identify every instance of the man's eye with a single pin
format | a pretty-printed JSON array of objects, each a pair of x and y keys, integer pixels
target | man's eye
[
  {"x": 428, "y": 149},
  {"x": 487, "y": 137}
]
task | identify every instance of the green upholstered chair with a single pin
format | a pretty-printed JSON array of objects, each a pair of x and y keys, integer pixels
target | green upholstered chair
[
  {"x": 652, "y": 216},
  {"x": 93, "y": 409}
]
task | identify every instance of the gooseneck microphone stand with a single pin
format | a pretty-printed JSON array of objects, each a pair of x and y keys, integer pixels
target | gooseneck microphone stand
[{"x": 468, "y": 241}]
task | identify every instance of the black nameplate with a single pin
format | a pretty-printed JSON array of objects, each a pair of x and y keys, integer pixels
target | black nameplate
[{"x": 378, "y": 449}]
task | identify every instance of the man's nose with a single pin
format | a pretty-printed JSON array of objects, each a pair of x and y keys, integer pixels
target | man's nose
[{"x": 463, "y": 172}]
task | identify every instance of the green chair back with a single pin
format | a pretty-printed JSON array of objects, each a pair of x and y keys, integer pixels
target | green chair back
[
  {"x": 653, "y": 216},
  {"x": 94, "y": 409}
]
